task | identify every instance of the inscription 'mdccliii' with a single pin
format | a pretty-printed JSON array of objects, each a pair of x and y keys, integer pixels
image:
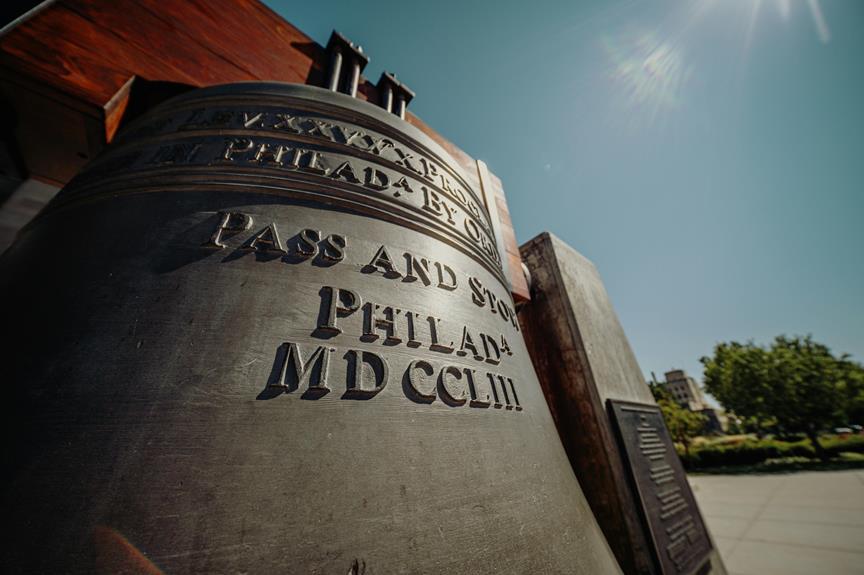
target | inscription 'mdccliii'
[{"x": 367, "y": 374}]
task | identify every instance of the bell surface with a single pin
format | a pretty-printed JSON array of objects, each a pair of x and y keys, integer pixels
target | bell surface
[{"x": 268, "y": 331}]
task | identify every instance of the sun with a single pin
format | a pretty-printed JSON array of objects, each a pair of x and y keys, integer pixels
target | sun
[{"x": 650, "y": 65}]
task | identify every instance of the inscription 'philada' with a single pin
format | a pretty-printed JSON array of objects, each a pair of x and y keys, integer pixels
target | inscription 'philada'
[{"x": 404, "y": 326}]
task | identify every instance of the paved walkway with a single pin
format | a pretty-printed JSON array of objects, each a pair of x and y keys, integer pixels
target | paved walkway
[{"x": 786, "y": 524}]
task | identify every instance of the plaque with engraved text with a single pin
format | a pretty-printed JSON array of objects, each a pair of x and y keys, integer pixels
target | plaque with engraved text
[{"x": 677, "y": 532}]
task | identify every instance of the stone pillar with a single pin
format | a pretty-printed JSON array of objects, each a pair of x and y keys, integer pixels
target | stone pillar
[{"x": 589, "y": 373}]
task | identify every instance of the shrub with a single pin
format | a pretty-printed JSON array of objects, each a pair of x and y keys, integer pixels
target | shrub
[
  {"x": 754, "y": 451},
  {"x": 851, "y": 444},
  {"x": 748, "y": 452}
]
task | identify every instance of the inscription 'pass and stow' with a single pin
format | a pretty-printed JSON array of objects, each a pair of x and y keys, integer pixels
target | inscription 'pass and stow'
[{"x": 368, "y": 372}]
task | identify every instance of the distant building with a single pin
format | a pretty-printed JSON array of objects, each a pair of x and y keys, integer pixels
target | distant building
[
  {"x": 687, "y": 393},
  {"x": 684, "y": 390}
]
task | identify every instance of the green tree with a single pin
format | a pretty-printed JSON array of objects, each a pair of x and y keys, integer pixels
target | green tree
[
  {"x": 807, "y": 384},
  {"x": 683, "y": 424},
  {"x": 853, "y": 381},
  {"x": 736, "y": 376},
  {"x": 797, "y": 382}
]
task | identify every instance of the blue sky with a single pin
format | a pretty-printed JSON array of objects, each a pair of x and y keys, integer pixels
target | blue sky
[{"x": 706, "y": 155}]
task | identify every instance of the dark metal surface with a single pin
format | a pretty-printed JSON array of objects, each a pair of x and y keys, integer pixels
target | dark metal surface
[
  {"x": 677, "y": 531},
  {"x": 268, "y": 331}
]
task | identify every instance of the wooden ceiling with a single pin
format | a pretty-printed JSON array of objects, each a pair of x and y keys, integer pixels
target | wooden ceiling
[{"x": 73, "y": 71}]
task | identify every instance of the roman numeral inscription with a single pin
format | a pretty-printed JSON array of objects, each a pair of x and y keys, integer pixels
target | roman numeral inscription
[
  {"x": 364, "y": 375},
  {"x": 330, "y": 153},
  {"x": 329, "y": 131}
]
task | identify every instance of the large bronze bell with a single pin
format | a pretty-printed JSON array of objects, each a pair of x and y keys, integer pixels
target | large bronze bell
[{"x": 268, "y": 331}]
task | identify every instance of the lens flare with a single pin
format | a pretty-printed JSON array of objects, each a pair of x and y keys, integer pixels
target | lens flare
[
  {"x": 649, "y": 66},
  {"x": 819, "y": 20},
  {"x": 651, "y": 72}
]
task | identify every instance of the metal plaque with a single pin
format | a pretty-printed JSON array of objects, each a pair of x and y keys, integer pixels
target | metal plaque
[{"x": 677, "y": 531}]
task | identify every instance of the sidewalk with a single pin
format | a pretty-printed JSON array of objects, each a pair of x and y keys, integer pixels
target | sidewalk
[{"x": 786, "y": 524}]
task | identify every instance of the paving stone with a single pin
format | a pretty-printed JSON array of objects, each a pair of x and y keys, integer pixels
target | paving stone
[{"x": 789, "y": 524}]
